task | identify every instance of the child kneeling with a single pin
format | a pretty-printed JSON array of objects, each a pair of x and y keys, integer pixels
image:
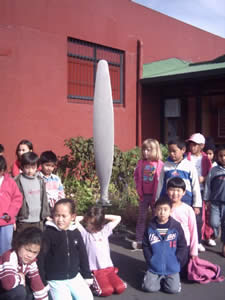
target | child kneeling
[
  {"x": 165, "y": 250},
  {"x": 63, "y": 263},
  {"x": 96, "y": 229}
]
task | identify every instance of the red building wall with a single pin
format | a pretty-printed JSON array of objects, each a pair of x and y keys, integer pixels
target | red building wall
[{"x": 33, "y": 64}]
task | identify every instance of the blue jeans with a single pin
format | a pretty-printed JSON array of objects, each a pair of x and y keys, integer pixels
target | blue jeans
[
  {"x": 6, "y": 234},
  {"x": 70, "y": 289},
  {"x": 217, "y": 219},
  {"x": 168, "y": 283}
]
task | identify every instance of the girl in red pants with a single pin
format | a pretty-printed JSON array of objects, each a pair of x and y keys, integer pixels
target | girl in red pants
[{"x": 95, "y": 229}]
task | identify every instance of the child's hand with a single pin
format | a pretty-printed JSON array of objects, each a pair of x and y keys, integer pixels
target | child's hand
[
  {"x": 207, "y": 204},
  {"x": 49, "y": 219},
  {"x": 6, "y": 217},
  {"x": 201, "y": 179},
  {"x": 194, "y": 256},
  {"x": 196, "y": 210},
  {"x": 22, "y": 278}
]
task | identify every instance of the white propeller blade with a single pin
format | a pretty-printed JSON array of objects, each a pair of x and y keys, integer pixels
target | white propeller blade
[{"x": 103, "y": 129}]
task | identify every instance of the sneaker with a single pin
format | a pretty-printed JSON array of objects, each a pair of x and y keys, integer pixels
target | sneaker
[
  {"x": 179, "y": 289},
  {"x": 211, "y": 243},
  {"x": 136, "y": 245},
  {"x": 201, "y": 248}
]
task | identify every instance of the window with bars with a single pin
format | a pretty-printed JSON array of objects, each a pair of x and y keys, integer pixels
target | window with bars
[{"x": 82, "y": 63}]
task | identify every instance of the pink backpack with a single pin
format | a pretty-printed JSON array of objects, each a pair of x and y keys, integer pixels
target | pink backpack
[{"x": 203, "y": 271}]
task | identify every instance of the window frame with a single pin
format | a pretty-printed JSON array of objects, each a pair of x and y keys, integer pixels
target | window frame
[{"x": 94, "y": 59}]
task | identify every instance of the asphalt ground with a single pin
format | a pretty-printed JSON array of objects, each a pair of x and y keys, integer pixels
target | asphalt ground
[{"x": 132, "y": 268}]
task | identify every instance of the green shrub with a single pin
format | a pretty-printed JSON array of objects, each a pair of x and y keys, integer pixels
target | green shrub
[
  {"x": 164, "y": 150},
  {"x": 78, "y": 174}
]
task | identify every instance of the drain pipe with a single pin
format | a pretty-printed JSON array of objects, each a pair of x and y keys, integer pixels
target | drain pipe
[{"x": 139, "y": 93}]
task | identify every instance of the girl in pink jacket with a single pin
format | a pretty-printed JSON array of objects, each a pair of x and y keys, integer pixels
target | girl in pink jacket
[
  {"x": 10, "y": 204},
  {"x": 146, "y": 177}
]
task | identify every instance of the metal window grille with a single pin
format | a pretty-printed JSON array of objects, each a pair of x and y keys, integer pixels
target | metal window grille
[{"x": 82, "y": 62}]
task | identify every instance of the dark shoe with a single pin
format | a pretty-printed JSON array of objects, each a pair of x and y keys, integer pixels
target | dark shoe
[{"x": 223, "y": 250}]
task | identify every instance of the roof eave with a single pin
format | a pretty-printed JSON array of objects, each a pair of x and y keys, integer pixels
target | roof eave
[{"x": 185, "y": 76}]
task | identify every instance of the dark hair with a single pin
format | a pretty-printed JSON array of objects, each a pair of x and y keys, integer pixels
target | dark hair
[
  {"x": 29, "y": 158},
  {"x": 98, "y": 214},
  {"x": 220, "y": 148},
  {"x": 3, "y": 163},
  {"x": 163, "y": 200},
  {"x": 66, "y": 201},
  {"x": 180, "y": 143},
  {"x": 2, "y": 149},
  {"x": 209, "y": 144},
  {"x": 24, "y": 142},
  {"x": 30, "y": 235},
  {"x": 48, "y": 156},
  {"x": 176, "y": 182}
]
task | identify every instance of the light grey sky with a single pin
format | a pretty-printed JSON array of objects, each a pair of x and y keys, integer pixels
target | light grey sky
[{"x": 208, "y": 15}]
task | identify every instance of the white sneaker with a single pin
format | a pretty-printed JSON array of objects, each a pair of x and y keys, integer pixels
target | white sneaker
[
  {"x": 211, "y": 243},
  {"x": 201, "y": 248},
  {"x": 137, "y": 245}
]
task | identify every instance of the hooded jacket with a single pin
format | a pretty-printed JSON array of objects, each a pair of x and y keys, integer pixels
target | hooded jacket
[
  {"x": 215, "y": 185},
  {"x": 64, "y": 254},
  {"x": 10, "y": 199},
  {"x": 165, "y": 255}
]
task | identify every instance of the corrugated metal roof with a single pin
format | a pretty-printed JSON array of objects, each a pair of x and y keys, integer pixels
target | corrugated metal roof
[{"x": 174, "y": 67}]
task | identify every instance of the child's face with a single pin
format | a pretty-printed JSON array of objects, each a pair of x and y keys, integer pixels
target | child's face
[
  {"x": 175, "y": 153},
  {"x": 221, "y": 157},
  {"x": 30, "y": 170},
  {"x": 23, "y": 148},
  {"x": 63, "y": 217},
  {"x": 28, "y": 253},
  {"x": 162, "y": 212},
  {"x": 149, "y": 151},
  {"x": 47, "y": 168},
  {"x": 175, "y": 194},
  {"x": 195, "y": 149},
  {"x": 210, "y": 154}
]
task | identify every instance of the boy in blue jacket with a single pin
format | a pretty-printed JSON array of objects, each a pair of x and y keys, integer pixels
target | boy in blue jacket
[{"x": 165, "y": 250}]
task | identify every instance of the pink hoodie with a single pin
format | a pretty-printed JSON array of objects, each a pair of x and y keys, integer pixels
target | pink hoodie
[
  {"x": 138, "y": 178},
  {"x": 10, "y": 199}
]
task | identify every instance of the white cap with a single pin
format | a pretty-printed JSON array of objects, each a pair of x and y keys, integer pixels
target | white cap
[{"x": 197, "y": 138}]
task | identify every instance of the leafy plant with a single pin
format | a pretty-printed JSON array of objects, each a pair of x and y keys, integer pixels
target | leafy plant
[{"x": 78, "y": 174}]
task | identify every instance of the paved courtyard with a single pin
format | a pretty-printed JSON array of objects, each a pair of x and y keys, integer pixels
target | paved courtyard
[{"x": 132, "y": 267}]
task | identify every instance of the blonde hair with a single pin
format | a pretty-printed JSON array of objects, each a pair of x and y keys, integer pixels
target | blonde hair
[{"x": 156, "y": 152}]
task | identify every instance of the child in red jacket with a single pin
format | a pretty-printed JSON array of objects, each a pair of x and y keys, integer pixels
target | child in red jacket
[{"x": 10, "y": 204}]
